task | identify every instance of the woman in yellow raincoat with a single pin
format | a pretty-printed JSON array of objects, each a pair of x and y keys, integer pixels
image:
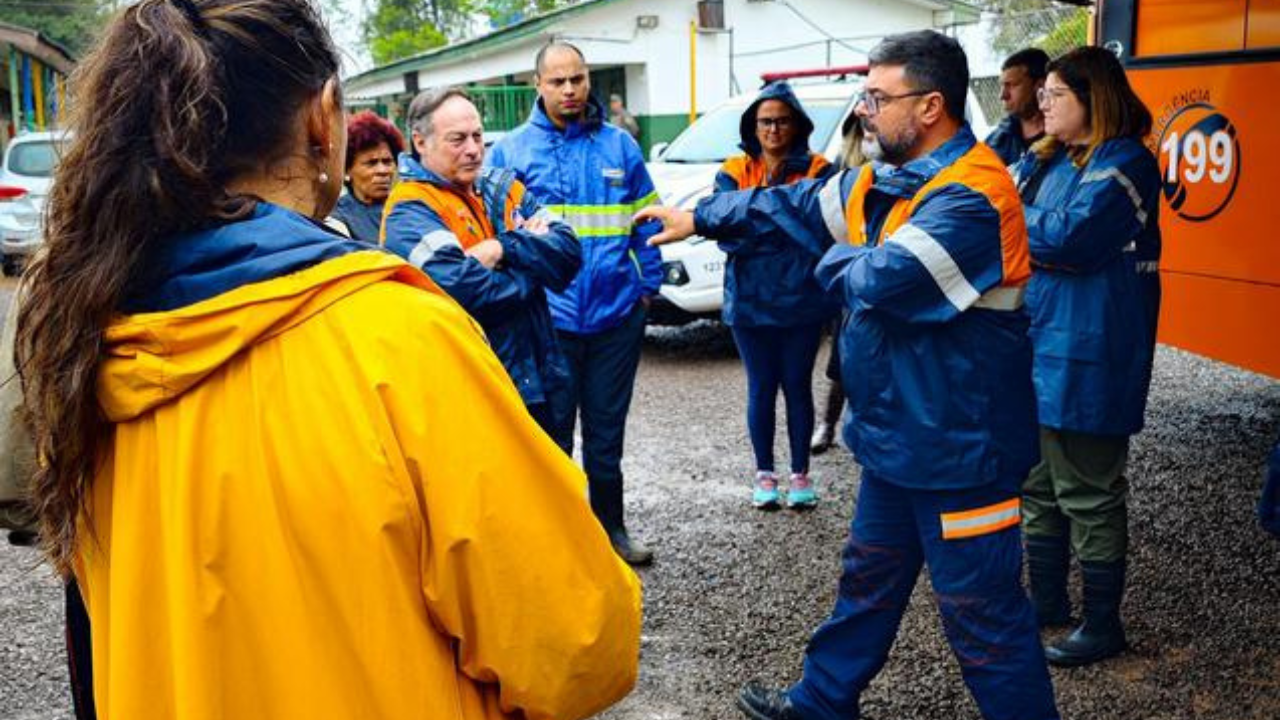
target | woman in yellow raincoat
[{"x": 289, "y": 476}]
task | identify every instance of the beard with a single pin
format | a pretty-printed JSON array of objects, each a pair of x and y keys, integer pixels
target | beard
[{"x": 893, "y": 151}]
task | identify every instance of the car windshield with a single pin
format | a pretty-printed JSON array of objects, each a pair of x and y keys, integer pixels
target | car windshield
[
  {"x": 714, "y": 137},
  {"x": 33, "y": 159}
]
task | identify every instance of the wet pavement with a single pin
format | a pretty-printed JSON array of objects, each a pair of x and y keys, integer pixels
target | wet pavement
[{"x": 735, "y": 592}]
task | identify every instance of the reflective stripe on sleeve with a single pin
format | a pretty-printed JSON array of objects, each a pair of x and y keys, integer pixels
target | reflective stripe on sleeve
[
  {"x": 939, "y": 263},
  {"x": 1125, "y": 182},
  {"x": 429, "y": 244},
  {"x": 832, "y": 206},
  {"x": 1147, "y": 266},
  {"x": 981, "y": 521}
]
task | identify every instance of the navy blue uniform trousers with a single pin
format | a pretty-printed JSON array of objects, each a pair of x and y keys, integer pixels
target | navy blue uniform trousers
[
  {"x": 602, "y": 368},
  {"x": 977, "y": 581}
]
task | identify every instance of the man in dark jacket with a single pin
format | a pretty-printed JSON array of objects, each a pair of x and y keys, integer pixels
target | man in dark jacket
[
  {"x": 1021, "y": 76},
  {"x": 485, "y": 241}
]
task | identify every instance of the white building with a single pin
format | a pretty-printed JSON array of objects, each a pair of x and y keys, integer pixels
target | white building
[{"x": 668, "y": 59}]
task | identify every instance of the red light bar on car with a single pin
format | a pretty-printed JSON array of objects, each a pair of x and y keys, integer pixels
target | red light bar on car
[
  {"x": 815, "y": 72},
  {"x": 11, "y": 193}
]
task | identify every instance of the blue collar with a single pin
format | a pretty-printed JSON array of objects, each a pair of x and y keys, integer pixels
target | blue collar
[
  {"x": 907, "y": 179},
  {"x": 190, "y": 267},
  {"x": 592, "y": 119}
]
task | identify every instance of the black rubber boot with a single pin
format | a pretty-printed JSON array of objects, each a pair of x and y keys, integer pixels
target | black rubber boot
[
  {"x": 1048, "y": 560},
  {"x": 1102, "y": 634}
]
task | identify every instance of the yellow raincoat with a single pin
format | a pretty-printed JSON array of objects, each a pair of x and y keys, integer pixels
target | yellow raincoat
[{"x": 325, "y": 499}]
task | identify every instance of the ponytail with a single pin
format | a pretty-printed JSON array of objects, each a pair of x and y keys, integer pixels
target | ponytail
[{"x": 177, "y": 98}]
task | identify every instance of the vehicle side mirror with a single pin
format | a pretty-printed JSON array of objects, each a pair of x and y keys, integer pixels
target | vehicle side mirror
[{"x": 658, "y": 150}]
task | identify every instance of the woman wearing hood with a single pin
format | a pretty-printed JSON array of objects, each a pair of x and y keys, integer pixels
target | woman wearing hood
[{"x": 771, "y": 301}]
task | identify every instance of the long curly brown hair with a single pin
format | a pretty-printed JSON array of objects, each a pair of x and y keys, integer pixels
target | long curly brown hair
[{"x": 177, "y": 98}]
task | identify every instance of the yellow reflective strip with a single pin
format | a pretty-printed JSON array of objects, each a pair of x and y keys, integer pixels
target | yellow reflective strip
[
  {"x": 981, "y": 521},
  {"x": 646, "y": 201},
  {"x": 602, "y": 231},
  {"x": 635, "y": 260}
]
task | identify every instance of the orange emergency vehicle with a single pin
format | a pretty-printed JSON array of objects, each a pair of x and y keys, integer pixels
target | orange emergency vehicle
[{"x": 1209, "y": 71}]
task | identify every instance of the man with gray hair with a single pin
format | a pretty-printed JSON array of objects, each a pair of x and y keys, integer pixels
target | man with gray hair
[{"x": 485, "y": 241}]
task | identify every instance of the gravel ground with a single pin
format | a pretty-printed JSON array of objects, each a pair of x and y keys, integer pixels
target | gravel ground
[{"x": 735, "y": 592}]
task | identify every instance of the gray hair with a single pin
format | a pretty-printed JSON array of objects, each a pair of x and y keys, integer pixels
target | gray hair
[{"x": 425, "y": 104}]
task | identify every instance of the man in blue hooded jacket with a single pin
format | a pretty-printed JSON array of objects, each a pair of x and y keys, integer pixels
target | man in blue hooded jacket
[{"x": 592, "y": 175}]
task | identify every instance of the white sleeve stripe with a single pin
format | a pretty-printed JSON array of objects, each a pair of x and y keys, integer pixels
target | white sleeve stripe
[
  {"x": 429, "y": 244},
  {"x": 833, "y": 209},
  {"x": 1126, "y": 183},
  {"x": 939, "y": 263}
]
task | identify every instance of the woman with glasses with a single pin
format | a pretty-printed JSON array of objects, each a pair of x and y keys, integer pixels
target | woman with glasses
[
  {"x": 1091, "y": 191},
  {"x": 771, "y": 300},
  {"x": 286, "y": 471}
]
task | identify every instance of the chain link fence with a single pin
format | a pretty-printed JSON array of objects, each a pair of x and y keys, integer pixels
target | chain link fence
[{"x": 997, "y": 35}]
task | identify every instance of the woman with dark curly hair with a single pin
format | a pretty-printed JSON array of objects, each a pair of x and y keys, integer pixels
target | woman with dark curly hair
[{"x": 372, "y": 147}]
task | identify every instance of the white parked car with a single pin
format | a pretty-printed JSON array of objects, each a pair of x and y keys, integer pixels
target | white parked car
[
  {"x": 25, "y": 176},
  {"x": 684, "y": 173}
]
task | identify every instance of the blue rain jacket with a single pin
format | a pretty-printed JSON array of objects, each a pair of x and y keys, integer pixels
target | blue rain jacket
[
  {"x": 509, "y": 301},
  {"x": 938, "y": 379},
  {"x": 1006, "y": 139},
  {"x": 592, "y": 175},
  {"x": 1094, "y": 295},
  {"x": 770, "y": 281},
  {"x": 1269, "y": 503}
]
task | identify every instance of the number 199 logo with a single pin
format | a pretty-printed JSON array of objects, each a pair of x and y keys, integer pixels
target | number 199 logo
[{"x": 1199, "y": 162}]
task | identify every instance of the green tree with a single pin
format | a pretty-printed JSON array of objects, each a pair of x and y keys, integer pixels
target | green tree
[
  {"x": 71, "y": 23},
  {"x": 505, "y": 12},
  {"x": 394, "y": 29},
  {"x": 1053, "y": 27}
]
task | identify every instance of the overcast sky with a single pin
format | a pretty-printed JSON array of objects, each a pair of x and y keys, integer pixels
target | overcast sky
[{"x": 346, "y": 32}]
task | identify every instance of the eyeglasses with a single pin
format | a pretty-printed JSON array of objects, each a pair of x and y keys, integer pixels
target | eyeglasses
[
  {"x": 1048, "y": 96},
  {"x": 875, "y": 101},
  {"x": 781, "y": 123}
]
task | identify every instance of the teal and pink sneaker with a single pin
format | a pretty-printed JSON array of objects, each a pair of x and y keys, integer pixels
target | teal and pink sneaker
[
  {"x": 801, "y": 493},
  {"x": 765, "y": 494}
]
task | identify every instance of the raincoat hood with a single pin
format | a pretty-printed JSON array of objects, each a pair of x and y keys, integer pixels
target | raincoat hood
[
  {"x": 804, "y": 126},
  {"x": 211, "y": 294}
]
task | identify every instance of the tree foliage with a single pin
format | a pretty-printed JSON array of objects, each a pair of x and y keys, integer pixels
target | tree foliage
[
  {"x": 1053, "y": 27},
  {"x": 71, "y": 23},
  {"x": 394, "y": 29}
]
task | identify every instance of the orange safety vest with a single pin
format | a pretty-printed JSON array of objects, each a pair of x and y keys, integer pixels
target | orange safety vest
[
  {"x": 750, "y": 172},
  {"x": 980, "y": 170},
  {"x": 464, "y": 214}
]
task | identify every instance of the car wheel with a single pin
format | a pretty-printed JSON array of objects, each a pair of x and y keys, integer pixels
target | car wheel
[{"x": 11, "y": 265}]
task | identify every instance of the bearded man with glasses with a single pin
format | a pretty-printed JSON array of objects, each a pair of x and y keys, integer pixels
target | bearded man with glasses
[{"x": 927, "y": 249}]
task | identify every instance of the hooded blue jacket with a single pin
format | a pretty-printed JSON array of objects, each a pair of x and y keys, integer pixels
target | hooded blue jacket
[
  {"x": 592, "y": 175},
  {"x": 938, "y": 380},
  {"x": 770, "y": 281},
  {"x": 1094, "y": 295},
  {"x": 508, "y": 301}
]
